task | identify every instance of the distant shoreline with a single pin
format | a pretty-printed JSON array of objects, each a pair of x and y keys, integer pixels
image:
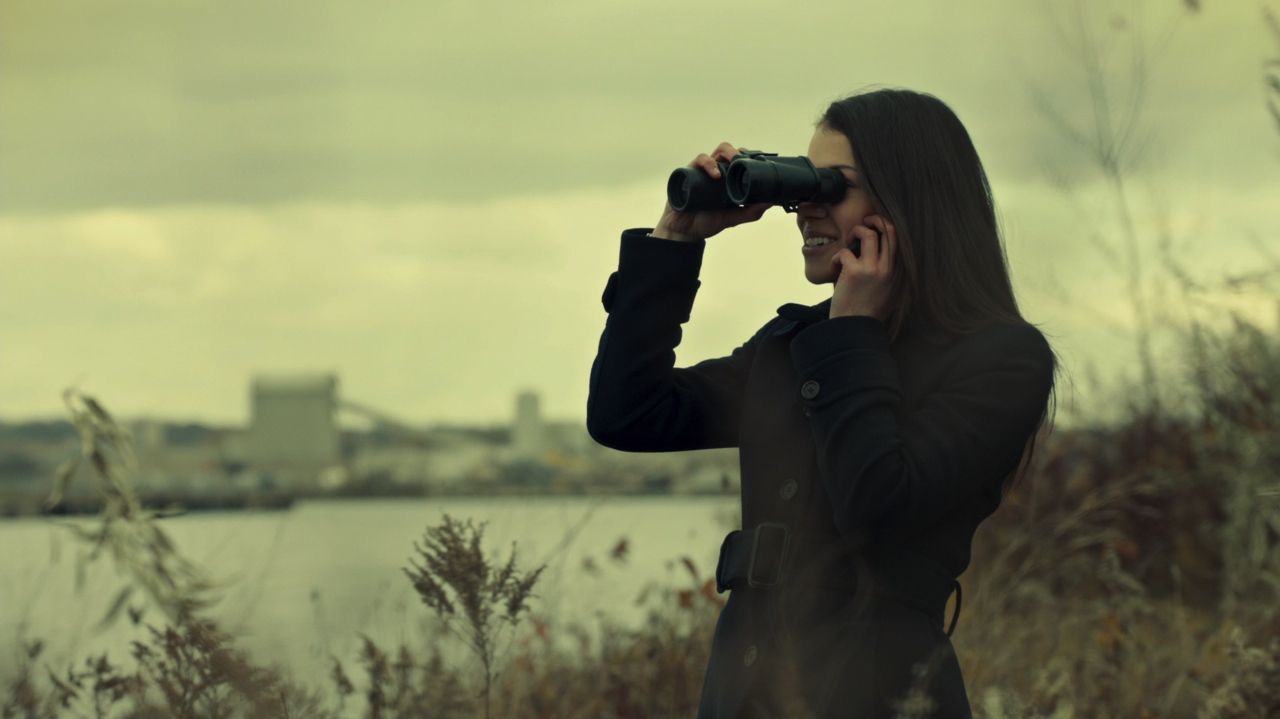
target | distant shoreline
[
  {"x": 24, "y": 506},
  {"x": 34, "y": 506}
]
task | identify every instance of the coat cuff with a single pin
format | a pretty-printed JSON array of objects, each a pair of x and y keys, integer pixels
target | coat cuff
[
  {"x": 641, "y": 252},
  {"x": 653, "y": 272},
  {"x": 839, "y": 356}
]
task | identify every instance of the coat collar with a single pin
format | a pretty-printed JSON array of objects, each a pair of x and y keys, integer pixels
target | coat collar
[{"x": 803, "y": 315}]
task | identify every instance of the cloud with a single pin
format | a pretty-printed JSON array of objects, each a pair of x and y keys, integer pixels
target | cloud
[
  {"x": 154, "y": 103},
  {"x": 427, "y": 199},
  {"x": 437, "y": 310},
  {"x": 420, "y": 306}
]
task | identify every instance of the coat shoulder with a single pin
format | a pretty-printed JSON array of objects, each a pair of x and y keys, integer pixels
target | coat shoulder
[
  {"x": 999, "y": 338},
  {"x": 1000, "y": 343}
]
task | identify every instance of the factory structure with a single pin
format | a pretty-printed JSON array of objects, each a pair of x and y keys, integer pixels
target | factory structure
[
  {"x": 293, "y": 431},
  {"x": 303, "y": 435}
]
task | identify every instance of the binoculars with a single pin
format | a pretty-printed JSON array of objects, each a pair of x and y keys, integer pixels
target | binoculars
[{"x": 753, "y": 177}]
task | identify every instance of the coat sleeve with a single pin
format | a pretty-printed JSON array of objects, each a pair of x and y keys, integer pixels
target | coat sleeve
[
  {"x": 638, "y": 401},
  {"x": 887, "y": 477}
]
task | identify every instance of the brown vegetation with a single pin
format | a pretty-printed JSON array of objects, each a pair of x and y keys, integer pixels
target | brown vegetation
[{"x": 1136, "y": 573}]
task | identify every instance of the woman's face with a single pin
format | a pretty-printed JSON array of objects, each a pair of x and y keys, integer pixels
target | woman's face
[{"x": 830, "y": 148}]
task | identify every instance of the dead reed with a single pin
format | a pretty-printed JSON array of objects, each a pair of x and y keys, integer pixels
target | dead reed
[{"x": 1136, "y": 573}]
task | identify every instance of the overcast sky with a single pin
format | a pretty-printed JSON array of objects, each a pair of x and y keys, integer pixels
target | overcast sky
[{"x": 426, "y": 197}]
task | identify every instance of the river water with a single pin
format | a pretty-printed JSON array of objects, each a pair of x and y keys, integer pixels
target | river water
[{"x": 303, "y": 584}]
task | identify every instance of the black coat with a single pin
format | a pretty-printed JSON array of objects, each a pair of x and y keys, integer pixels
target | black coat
[{"x": 878, "y": 460}]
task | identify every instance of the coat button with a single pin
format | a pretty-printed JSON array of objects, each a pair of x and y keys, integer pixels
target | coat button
[
  {"x": 809, "y": 389},
  {"x": 750, "y": 657},
  {"x": 788, "y": 489}
]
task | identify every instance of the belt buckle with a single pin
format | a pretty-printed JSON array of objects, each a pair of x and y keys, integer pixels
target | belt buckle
[{"x": 781, "y": 556}]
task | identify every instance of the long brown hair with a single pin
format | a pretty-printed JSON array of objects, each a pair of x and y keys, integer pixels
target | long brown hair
[{"x": 920, "y": 167}]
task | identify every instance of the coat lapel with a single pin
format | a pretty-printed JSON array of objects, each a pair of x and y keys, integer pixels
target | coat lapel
[
  {"x": 805, "y": 314},
  {"x": 797, "y": 316}
]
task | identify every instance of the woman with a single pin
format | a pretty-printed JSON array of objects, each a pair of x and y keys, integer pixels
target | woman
[{"x": 876, "y": 429}]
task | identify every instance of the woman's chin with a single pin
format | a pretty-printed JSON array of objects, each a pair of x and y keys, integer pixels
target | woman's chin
[{"x": 819, "y": 275}]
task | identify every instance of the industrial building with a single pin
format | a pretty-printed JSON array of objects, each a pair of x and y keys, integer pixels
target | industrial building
[{"x": 293, "y": 435}]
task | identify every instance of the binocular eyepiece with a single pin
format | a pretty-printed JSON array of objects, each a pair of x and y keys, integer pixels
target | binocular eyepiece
[{"x": 754, "y": 177}]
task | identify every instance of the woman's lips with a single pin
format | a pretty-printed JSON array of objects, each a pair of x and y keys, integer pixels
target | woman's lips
[{"x": 821, "y": 249}]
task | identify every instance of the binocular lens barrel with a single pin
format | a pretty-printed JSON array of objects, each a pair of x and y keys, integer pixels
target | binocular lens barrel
[
  {"x": 753, "y": 177},
  {"x": 690, "y": 189}
]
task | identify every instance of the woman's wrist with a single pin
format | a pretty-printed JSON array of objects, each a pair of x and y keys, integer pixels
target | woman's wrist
[{"x": 663, "y": 233}]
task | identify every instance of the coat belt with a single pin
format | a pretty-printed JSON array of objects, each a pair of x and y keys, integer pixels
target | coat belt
[{"x": 762, "y": 557}]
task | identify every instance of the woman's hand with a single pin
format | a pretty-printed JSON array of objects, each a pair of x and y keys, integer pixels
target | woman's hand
[
  {"x": 863, "y": 285},
  {"x": 707, "y": 223}
]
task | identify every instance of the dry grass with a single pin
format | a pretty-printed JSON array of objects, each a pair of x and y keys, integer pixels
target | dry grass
[
  {"x": 1135, "y": 573},
  {"x": 1123, "y": 579}
]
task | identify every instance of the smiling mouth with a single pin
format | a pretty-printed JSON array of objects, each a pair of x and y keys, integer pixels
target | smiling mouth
[{"x": 820, "y": 241}]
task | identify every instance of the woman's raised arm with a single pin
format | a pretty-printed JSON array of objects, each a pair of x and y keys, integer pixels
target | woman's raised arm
[{"x": 638, "y": 400}]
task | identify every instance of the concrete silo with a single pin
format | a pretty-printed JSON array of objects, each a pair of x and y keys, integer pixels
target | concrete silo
[{"x": 293, "y": 434}]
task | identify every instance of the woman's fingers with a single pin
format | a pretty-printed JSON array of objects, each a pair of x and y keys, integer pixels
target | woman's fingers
[
  {"x": 707, "y": 164},
  {"x": 753, "y": 212},
  {"x": 870, "y": 244},
  {"x": 726, "y": 150},
  {"x": 888, "y": 240}
]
